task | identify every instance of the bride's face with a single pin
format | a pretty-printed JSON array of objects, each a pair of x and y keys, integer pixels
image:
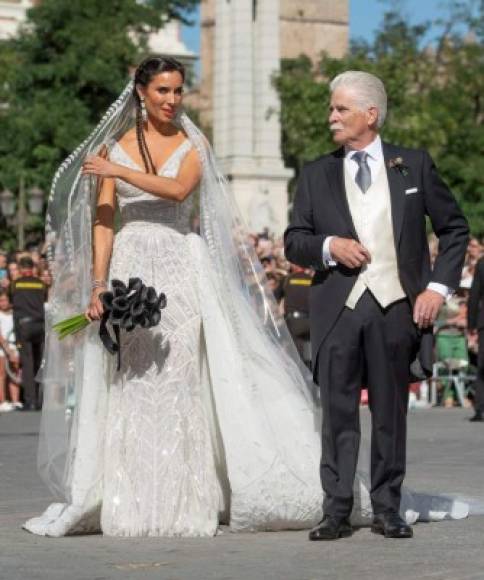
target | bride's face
[{"x": 163, "y": 96}]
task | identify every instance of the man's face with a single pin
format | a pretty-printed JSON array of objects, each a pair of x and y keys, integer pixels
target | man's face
[{"x": 347, "y": 121}]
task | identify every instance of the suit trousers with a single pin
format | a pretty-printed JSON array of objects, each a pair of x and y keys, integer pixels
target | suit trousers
[
  {"x": 368, "y": 346},
  {"x": 479, "y": 384},
  {"x": 31, "y": 343}
]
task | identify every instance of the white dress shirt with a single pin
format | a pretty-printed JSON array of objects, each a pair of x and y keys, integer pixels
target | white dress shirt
[{"x": 375, "y": 160}]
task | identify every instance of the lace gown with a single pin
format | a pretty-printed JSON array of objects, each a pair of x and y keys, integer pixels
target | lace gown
[{"x": 159, "y": 471}]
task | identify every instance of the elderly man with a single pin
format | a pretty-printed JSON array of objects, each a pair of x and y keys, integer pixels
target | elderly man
[{"x": 359, "y": 220}]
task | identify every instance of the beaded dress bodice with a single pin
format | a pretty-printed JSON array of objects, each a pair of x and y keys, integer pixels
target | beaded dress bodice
[{"x": 139, "y": 207}]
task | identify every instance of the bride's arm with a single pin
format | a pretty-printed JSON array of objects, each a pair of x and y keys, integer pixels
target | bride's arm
[
  {"x": 103, "y": 235},
  {"x": 176, "y": 189}
]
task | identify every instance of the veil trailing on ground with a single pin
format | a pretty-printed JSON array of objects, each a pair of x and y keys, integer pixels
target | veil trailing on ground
[
  {"x": 265, "y": 361},
  {"x": 239, "y": 283}
]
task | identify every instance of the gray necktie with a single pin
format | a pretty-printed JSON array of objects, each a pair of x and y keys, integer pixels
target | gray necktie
[{"x": 363, "y": 175}]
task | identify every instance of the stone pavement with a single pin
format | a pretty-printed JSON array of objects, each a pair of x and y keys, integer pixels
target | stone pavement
[{"x": 446, "y": 454}]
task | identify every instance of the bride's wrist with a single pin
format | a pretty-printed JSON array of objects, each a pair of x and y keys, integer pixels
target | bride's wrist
[{"x": 99, "y": 284}]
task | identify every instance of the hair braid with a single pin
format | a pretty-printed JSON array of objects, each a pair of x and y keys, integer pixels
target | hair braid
[{"x": 142, "y": 145}]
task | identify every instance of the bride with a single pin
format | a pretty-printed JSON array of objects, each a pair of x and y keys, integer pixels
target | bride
[{"x": 211, "y": 418}]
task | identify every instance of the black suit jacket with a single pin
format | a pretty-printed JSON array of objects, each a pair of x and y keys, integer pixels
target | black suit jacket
[
  {"x": 475, "y": 307},
  {"x": 321, "y": 209}
]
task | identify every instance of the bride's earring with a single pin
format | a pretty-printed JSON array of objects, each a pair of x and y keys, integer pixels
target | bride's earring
[{"x": 144, "y": 114}]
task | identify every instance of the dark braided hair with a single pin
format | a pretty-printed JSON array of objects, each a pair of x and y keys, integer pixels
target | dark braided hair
[{"x": 144, "y": 74}]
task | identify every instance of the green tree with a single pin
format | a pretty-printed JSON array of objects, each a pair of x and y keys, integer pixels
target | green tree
[
  {"x": 436, "y": 98},
  {"x": 68, "y": 63}
]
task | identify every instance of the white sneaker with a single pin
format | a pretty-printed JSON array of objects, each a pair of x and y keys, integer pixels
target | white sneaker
[
  {"x": 18, "y": 406},
  {"x": 6, "y": 407}
]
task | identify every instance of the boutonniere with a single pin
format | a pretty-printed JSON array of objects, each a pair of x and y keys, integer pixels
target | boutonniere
[{"x": 397, "y": 163}]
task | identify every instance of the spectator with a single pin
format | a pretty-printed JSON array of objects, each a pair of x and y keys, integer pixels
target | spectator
[
  {"x": 459, "y": 319},
  {"x": 476, "y": 327},
  {"x": 269, "y": 264},
  {"x": 28, "y": 296},
  {"x": 3, "y": 263},
  {"x": 9, "y": 357},
  {"x": 274, "y": 283},
  {"x": 46, "y": 277},
  {"x": 253, "y": 239},
  {"x": 4, "y": 281},
  {"x": 474, "y": 251},
  {"x": 13, "y": 271},
  {"x": 264, "y": 248}
]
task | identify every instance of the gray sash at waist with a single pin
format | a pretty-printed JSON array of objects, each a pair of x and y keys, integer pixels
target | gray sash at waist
[{"x": 159, "y": 211}]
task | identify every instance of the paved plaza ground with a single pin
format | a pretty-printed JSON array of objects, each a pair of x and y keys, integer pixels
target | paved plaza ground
[{"x": 446, "y": 454}]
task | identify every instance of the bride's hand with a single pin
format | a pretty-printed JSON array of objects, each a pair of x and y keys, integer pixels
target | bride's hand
[
  {"x": 96, "y": 165},
  {"x": 95, "y": 309}
]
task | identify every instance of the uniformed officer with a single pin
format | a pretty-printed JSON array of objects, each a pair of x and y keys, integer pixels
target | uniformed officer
[
  {"x": 296, "y": 308},
  {"x": 28, "y": 294}
]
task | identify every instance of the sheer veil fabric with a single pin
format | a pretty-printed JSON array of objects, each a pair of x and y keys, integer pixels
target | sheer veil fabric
[{"x": 266, "y": 418}]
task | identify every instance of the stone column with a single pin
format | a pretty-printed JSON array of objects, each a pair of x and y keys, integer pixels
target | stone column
[
  {"x": 221, "y": 79},
  {"x": 266, "y": 65},
  {"x": 246, "y": 113}
]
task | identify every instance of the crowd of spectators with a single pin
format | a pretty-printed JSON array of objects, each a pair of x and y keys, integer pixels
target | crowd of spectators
[
  {"x": 453, "y": 315},
  {"x": 289, "y": 283},
  {"x": 22, "y": 274}
]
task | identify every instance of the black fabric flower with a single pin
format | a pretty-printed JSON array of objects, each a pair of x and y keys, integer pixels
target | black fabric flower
[{"x": 126, "y": 307}]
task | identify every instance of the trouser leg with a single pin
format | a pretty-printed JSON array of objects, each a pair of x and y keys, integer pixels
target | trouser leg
[
  {"x": 37, "y": 353},
  {"x": 27, "y": 366},
  {"x": 340, "y": 371},
  {"x": 31, "y": 337},
  {"x": 390, "y": 340},
  {"x": 479, "y": 384}
]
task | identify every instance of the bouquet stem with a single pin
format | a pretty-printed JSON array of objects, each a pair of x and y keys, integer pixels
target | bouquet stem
[{"x": 71, "y": 325}]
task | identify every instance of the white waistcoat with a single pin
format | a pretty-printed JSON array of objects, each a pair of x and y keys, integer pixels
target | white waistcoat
[{"x": 371, "y": 213}]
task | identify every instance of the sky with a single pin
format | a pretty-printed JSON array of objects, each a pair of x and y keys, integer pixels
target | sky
[{"x": 365, "y": 17}]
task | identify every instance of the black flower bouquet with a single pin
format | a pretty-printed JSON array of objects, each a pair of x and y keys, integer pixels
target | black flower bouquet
[{"x": 125, "y": 307}]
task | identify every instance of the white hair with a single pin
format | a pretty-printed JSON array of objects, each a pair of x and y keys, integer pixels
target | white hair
[{"x": 369, "y": 91}]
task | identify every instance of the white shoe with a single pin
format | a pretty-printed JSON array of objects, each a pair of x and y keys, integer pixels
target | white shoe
[
  {"x": 18, "y": 406},
  {"x": 6, "y": 407}
]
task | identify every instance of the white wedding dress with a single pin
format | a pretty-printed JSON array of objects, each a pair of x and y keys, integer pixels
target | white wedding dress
[{"x": 189, "y": 434}]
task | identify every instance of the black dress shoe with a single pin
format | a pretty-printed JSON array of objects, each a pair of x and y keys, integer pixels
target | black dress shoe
[
  {"x": 478, "y": 418},
  {"x": 391, "y": 525},
  {"x": 331, "y": 528}
]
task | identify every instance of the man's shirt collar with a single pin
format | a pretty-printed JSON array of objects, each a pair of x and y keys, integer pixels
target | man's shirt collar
[{"x": 374, "y": 150}]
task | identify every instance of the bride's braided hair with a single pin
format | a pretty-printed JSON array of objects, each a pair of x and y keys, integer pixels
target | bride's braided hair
[{"x": 146, "y": 71}]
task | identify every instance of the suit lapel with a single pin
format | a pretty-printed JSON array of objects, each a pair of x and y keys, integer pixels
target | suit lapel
[
  {"x": 338, "y": 190},
  {"x": 396, "y": 184}
]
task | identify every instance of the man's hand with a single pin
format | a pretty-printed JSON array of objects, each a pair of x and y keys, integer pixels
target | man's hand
[
  {"x": 348, "y": 252},
  {"x": 427, "y": 308}
]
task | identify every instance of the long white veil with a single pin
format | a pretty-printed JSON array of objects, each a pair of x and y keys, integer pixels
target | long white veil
[{"x": 265, "y": 352}]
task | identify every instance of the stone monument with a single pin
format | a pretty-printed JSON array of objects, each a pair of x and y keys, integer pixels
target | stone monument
[{"x": 246, "y": 128}]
